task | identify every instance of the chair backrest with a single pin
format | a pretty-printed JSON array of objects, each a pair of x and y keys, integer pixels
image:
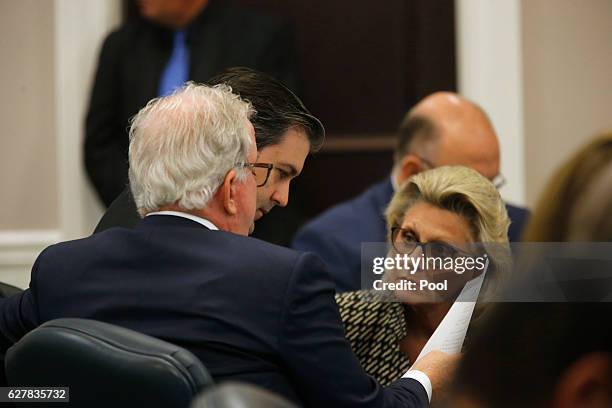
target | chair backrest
[
  {"x": 106, "y": 365},
  {"x": 239, "y": 395},
  {"x": 7, "y": 290}
]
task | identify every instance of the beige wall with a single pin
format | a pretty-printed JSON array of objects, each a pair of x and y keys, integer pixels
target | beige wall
[
  {"x": 48, "y": 50},
  {"x": 28, "y": 170},
  {"x": 567, "y": 73}
]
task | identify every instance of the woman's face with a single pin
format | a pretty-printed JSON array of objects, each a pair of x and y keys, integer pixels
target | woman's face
[{"x": 447, "y": 235}]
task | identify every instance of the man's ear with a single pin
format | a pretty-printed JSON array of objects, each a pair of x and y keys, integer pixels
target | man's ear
[
  {"x": 586, "y": 383},
  {"x": 228, "y": 193},
  {"x": 409, "y": 166}
]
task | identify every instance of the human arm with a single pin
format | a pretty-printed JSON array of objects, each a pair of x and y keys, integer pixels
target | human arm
[
  {"x": 18, "y": 314},
  {"x": 318, "y": 357}
]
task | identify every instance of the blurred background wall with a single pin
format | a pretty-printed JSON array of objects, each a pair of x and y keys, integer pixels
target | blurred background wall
[
  {"x": 48, "y": 50},
  {"x": 541, "y": 68},
  {"x": 567, "y": 56}
]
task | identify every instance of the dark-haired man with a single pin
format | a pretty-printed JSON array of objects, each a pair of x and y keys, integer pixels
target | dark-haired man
[
  {"x": 285, "y": 132},
  {"x": 442, "y": 129}
]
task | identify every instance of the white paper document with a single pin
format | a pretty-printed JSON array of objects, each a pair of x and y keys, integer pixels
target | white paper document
[{"x": 450, "y": 333}]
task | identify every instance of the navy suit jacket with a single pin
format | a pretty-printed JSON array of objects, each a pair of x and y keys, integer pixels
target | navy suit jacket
[
  {"x": 251, "y": 311},
  {"x": 337, "y": 234}
]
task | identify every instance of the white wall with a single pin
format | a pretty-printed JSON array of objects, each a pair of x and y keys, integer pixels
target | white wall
[
  {"x": 490, "y": 73},
  {"x": 28, "y": 151},
  {"x": 49, "y": 49}
]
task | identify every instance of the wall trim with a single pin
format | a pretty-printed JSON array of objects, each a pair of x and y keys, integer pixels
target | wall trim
[
  {"x": 22, "y": 247},
  {"x": 18, "y": 251}
]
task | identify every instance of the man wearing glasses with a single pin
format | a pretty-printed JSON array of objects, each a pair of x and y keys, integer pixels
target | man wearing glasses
[
  {"x": 251, "y": 311},
  {"x": 443, "y": 129},
  {"x": 285, "y": 132}
]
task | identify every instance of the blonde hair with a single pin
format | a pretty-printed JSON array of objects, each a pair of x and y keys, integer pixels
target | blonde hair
[{"x": 464, "y": 192}]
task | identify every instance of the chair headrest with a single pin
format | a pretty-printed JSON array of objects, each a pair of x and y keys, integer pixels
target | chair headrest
[
  {"x": 7, "y": 290},
  {"x": 239, "y": 395},
  {"x": 105, "y": 364}
]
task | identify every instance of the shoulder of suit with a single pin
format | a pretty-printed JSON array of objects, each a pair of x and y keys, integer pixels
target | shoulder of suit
[
  {"x": 349, "y": 212},
  {"x": 517, "y": 209},
  {"x": 258, "y": 247},
  {"x": 77, "y": 247}
]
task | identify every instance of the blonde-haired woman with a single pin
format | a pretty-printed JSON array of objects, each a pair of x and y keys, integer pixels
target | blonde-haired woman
[{"x": 447, "y": 207}]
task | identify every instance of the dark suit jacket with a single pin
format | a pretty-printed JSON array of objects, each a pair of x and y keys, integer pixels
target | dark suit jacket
[
  {"x": 133, "y": 58},
  {"x": 251, "y": 311},
  {"x": 121, "y": 213},
  {"x": 336, "y": 235},
  {"x": 277, "y": 229}
]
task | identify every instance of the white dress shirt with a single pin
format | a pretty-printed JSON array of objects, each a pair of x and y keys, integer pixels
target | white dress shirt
[{"x": 422, "y": 378}]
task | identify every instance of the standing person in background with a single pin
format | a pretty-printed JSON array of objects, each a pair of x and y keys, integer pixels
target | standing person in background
[
  {"x": 174, "y": 41},
  {"x": 443, "y": 129}
]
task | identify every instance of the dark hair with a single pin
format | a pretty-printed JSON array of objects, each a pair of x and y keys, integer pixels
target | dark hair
[
  {"x": 521, "y": 350},
  {"x": 277, "y": 108},
  {"x": 413, "y": 128}
]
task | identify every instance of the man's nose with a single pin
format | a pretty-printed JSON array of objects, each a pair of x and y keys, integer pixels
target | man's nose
[{"x": 281, "y": 195}]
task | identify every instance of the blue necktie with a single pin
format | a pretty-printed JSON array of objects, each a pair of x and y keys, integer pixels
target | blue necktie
[{"x": 176, "y": 71}]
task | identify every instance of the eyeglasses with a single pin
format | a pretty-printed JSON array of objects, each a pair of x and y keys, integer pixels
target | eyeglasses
[
  {"x": 498, "y": 181},
  {"x": 404, "y": 245},
  {"x": 261, "y": 172}
]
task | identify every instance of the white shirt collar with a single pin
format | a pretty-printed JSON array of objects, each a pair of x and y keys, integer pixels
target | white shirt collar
[{"x": 192, "y": 217}]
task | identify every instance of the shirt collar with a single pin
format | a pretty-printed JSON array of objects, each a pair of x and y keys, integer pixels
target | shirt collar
[{"x": 208, "y": 224}]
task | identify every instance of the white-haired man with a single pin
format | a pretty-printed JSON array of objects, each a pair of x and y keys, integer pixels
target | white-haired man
[{"x": 188, "y": 274}]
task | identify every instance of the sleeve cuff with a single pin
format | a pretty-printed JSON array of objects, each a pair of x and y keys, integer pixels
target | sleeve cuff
[{"x": 422, "y": 378}]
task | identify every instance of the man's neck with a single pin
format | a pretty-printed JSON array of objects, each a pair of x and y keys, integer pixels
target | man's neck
[{"x": 190, "y": 14}]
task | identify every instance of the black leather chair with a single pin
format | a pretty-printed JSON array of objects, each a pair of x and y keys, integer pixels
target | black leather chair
[
  {"x": 105, "y": 366},
  {"x": 7, "y": 290},
  {"x": 239, "y": 395}
]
